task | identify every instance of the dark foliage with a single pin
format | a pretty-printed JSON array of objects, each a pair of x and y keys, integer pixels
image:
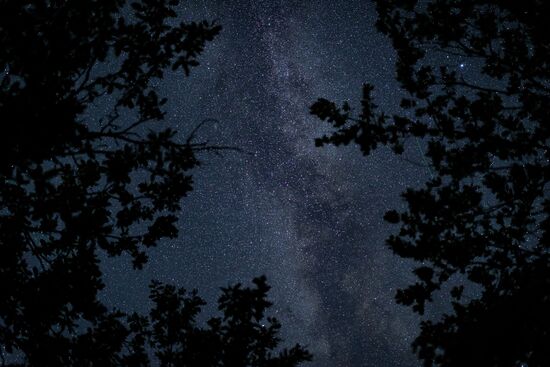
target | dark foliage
[
  {"x": 75, "y": 187},
  {"x": 243, "y": 336},
  {"x": 481, "y": 226}
]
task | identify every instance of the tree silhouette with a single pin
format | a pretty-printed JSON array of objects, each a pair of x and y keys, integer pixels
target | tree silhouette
[
  {"x": 480, "y": 227},
  {"x": 242, "y": 337},
  {"x": 77, "y": 183}
]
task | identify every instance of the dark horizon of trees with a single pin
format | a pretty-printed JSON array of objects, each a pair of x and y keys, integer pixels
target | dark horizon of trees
[
  {"x": 75, "y": 187},
  {"x": 479, "y": 229}
]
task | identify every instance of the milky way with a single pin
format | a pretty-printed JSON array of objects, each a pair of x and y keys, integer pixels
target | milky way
[{"x": 309, "y": 218}]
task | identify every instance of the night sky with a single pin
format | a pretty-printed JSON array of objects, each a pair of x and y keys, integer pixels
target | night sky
[{"x": 309, "y": 218}]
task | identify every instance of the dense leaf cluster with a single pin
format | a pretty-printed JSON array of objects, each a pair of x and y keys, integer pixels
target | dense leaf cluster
[
  {"x": 481, "y": 226},
  {"x": 87, "y": 170},
  {"x": 243, "y": 336}
]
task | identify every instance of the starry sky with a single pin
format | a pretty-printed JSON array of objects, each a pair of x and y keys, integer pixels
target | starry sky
[{"x": 308, "y": 218}]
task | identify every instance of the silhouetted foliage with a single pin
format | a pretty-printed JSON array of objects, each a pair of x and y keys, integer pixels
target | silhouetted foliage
[
  {"x": 87, "y": 168},
  {"x": 243, "y": 336},
  {"x": 481, "y": 226}
]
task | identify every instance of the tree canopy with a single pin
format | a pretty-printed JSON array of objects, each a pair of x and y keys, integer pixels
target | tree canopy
[
  {"x": 480, "y": 227},
  {"x": 77, "y": 185}
]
